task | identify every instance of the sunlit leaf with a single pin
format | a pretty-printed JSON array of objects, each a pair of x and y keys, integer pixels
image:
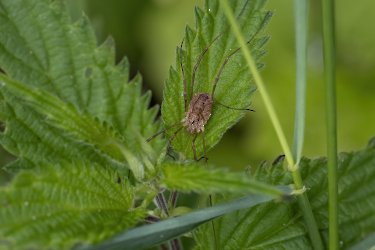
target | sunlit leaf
[
  {"x": 40, "y": 48},
  {"x": 233, "y": 88}
]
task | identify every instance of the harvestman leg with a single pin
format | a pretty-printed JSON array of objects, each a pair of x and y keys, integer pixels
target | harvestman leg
[
  {"x": 192, "y": 145},
  {"x": 213, "y": 91},
  {"x": 205, "y": 162},
  {"x": 233, "y": 108},
  {"x": 192, "y": 90},
  {"x": 204, "y": 51},
  {"x": 204, "y": 148},
  {"x": 195, "y": 155},
  {"x": 152, "y": 137},
  {"x": 170, "y": 141},
  {"x": 183, "y": 76},
  {"x": 226, "y": 60}
]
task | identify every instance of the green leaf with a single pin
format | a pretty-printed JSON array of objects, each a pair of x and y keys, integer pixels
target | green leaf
[
  {"x": 149, "y": 235},
  {"x": 233, "y": 88},
  {"x": 83, "y": 126},
  {"x": 64, "y": 204},
  {"x": 280, "y": 225},
  {"x": 40, "y": 48},
  {"x": 192, "y": 177},
  {"x": 366, "y": 244}
]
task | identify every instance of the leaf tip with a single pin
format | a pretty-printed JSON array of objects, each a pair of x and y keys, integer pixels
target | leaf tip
[{"x": 279, "y": 160}]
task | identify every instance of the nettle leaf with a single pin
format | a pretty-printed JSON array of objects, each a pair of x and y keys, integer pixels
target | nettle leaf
[
  {"x": 368, "y": 243},
  {"x": 233, "y": 88},
  {"x": 40, "y": 48},
  {"x": 66, "y": 117},
  {"x": 191, "y": 177},
  {"x": 64, "y": 204},
  {"x": 273, "y": 225}
]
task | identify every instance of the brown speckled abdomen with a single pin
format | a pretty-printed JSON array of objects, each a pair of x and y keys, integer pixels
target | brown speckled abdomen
[{"x": 199, "y": 112}]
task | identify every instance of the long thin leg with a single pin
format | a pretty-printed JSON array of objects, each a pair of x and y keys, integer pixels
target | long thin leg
[
  {"x": 204, "y": 148},
  {"x": 183, "y": 76},
  {"x": 170, "y": 140},
  {"x": 205, "y": 162},
  {"x": 226, "y": 60},
  {"x": 192, "y": 91},
  {"x": 233, "y": 108},
  {"x": 192, "y": 145},
  {"x": 152, "y": 137},
  {"x": 201, "y": 158},
  {"x": 195, "y": 156},
  {"x": 213, "y": 225},
  {"x": 204, "y": 51}
]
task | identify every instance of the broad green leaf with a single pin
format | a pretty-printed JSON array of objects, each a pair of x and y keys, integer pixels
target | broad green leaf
[
  {"x": 233, "y": 88},
  {"x": 66, "y": 117},
  {"x": 366, "y": 244},
  {"x": 149, "y": 235},
  {"x": 40, "y": 48},
  {"x": 84, "y": 127},
  {"x": 64, "y": 204},
  {"x": 192, "y": 177},
  {"x": 280, "y": 225}
]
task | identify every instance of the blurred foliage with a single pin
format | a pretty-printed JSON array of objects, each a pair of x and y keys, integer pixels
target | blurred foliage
[{"x": 148, "y": 32}]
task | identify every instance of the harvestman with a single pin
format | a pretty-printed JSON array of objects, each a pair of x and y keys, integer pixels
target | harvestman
[{"x": 199, "y": 109}]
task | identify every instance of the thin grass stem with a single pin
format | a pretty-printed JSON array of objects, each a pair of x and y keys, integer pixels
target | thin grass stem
[
  {"x": 300, "y": 24},
  {"x": 301, "y": 27},
  {"x": 302, "y": 199},
  {"x": 263, "y": 92},
  {"x": 329, "y": 74}
]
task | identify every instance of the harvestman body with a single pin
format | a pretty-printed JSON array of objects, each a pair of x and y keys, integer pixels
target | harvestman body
[{"x": 200, "y": 106}]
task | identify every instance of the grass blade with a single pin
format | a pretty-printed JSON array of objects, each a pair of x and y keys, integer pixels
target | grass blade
[
  {"x": 329, "y": 74},
  {"x": 154, "y": 234},
  {"x": 300, "y": 23},
  {"x": 301, "y": 26}
]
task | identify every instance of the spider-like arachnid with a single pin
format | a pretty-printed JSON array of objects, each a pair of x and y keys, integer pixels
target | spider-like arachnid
[{"x": 199, "y": 110}]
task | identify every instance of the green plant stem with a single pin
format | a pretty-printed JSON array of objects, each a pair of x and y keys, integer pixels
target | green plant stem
[
  {"x": 301, "y": 26},
  {"x": 163, "y": 206},
  {"x": 302, "y": 199},
  {"x": 307, "y": 213},
  {"x": 329, "y": 73},
  {"x": 300, "y": 23},
  {"x": 262, "y": 89}
]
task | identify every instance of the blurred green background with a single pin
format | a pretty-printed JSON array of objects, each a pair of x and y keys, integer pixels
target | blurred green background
[{"x": 148, "y": 32}]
